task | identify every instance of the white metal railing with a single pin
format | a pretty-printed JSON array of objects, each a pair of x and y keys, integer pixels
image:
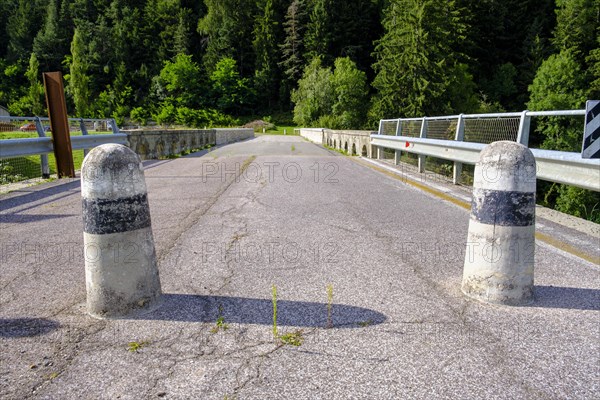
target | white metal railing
[{"x": 460, "y": 138}]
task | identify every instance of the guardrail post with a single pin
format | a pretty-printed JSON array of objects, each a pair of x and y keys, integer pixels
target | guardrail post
[
  {"x": 524, "y": 124},
  {"x": 121, "y": 270},
  {"x": 499, "y": 260},
  {"x": 84, "y": 132},
  {"x": 423, "y": 134},
  {"x": 43, "y": 157},
  {"x": 398, "y": 153},
  {"x": 113, "y": 125},
  {"x": 459, "y": 137}
]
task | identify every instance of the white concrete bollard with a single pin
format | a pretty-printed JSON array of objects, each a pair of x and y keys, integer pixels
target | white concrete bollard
[
  {"x": 120, "y": 260},
  {"x": 499, "y": 259}
]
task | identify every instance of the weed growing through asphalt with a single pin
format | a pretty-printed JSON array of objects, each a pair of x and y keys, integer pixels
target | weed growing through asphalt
[
  {"x": 274, "y": 299},
  {"x": 53, "y": 375},
  {"x": 134, "y": 347},
  {"x": 293, "y": 148},
  {"x": 220, "y": 324},
  {"x": 291, "y": 338},
  {"x": 364, "y": 324},
  {"x": 329, "y": 306}
]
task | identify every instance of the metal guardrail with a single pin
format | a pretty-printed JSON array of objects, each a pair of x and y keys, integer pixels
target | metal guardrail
[
  {"x": 43, "y": 145},
  {"x": 10, "y": 148},
  {"x": 555, "y": 166}
]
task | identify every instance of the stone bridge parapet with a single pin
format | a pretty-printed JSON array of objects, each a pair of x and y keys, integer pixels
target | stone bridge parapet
[
  {"x": 155, "y": 144},
  {"x": 351, "y": 141}
]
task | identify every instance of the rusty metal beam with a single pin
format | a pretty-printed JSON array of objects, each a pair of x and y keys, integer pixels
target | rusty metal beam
[{"x": 59, "y": 123}]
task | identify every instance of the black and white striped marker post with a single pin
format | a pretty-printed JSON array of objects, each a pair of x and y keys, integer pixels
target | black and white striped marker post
[
  {"x": 591, "y": 132},
  {"x": 120, "y": 260},
  {"x": 499, "y": 259}
]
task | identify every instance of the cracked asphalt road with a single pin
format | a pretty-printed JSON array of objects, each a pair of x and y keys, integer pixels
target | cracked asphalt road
[{"x": 231, "y": 223}]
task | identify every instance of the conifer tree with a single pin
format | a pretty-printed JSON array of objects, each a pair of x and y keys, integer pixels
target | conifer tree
[
  {"x": 317, "y": 38},
  {"x": 293, "y": 46},
  {"x": 49, "y": 45},
  {"x": 79, "y": 80},
  {"x": 264, "y": 43},
  {"x": 417, "y": 58}
]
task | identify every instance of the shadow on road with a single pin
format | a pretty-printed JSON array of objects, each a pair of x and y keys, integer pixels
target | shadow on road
[
  {"x": 26, "y": 218},
  {"x": 31, "y": 194},
  {"x": 196, "y": 308},
  {"x": 26, "y": 327},
  {"x": 566, "y": 297}
]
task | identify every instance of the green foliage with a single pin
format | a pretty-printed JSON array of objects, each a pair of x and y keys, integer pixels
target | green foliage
[
  {"x": 417, "y": 58},
  {"x": 292, "y": 46},
  {"x": 593, "y": 61},
  {"x": 577, "y": 24},
  {"x": 49, "y": 44},
  {"x": 232, "y": 93},
  {"x": 558, "y": 83},
  {"x": 290, "y": 338},
  {"x": 317, "y": 39},
  {"x": 201, "y": 118},
  {"x": 8, "y": 174},
  {"x": 36, "y": 89},
  {"x": 274, "y": 301},
  {"x": 335, "y": 99},
  {"x": 220, "y": 324},
  {"x": 563, "y": 81},
  {"x": 228, "y": 33},
  {"x": 502, "y": 86},
  {"x": 265, "y": 74},
  {"x": 181, "y": 81},
  {"x": 79, "y": 81},
  {"x": 330, "y": 306},
  {"x": 579, "y": 202},
  {"x": 140, "y": 115},
  {"x": 135, "y": 346},
  {"x": 350, "y": 92},
  {"x": 166, "y": 115},
  {"x": 315, "y": 95}
]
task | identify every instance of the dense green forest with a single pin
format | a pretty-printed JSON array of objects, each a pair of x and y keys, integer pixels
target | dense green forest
[{"x": 333, "y": 63}]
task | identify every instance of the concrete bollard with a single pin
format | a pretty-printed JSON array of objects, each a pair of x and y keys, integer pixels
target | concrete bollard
[
  {"x": 120, "y": 261},
  {"x": 499, "y": 260}
]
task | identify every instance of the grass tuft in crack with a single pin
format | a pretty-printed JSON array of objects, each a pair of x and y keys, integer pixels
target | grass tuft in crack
[
  {"x": 291, "y": 338},
  {"x": 220, "y": 324},
  {"x": 134, "y": 347},
  {"x": 329, "y": 306}
]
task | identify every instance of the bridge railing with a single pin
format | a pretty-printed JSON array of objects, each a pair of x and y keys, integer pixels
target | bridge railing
[
  {"x": 460, "y": 138},
  {"x": 24, "y": 138}
]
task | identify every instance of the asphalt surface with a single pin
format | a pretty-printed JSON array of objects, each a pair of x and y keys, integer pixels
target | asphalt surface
[{"x": 367, "y": 270}]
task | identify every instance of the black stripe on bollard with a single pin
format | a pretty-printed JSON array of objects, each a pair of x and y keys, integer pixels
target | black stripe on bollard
[
  {"x": 496, "y": 207},
  {"x": 102, "y": 216}
]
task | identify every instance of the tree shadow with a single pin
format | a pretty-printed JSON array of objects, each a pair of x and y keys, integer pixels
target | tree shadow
[
  {"x": 26, "y": 327},
  {"x": 242, "y": 310},
  {"x": 566, "y": 297}
]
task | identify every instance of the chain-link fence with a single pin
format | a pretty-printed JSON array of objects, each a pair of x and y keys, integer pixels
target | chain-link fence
[
  {"x": 444, "y": 129},
  {"x": 388, "y": 127},
  {"x": 476, "y": 129},
  {"x": 488, "y": 130}
]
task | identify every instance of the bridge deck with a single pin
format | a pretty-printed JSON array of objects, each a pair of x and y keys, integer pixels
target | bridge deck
[{"x": 229, "y": 224}]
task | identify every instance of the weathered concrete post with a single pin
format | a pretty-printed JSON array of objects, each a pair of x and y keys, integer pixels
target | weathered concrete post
[
  {"x": 499, "y": 260},
  {"x": 120, "y": 261}
]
